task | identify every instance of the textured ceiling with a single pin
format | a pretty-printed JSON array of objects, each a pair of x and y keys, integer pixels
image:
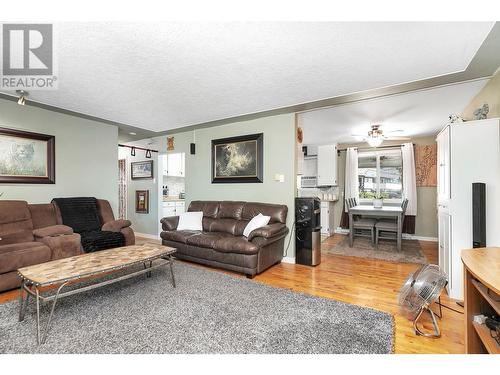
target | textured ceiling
[
  {"x": 161, "y": 76},
  {"x": 418, "y": 113}
]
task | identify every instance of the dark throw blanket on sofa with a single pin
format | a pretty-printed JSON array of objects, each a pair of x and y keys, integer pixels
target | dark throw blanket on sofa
[{"x": 82, "y": 215}]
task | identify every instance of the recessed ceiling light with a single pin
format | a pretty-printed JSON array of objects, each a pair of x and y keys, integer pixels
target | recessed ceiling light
[{"x": 133, "y": 133}]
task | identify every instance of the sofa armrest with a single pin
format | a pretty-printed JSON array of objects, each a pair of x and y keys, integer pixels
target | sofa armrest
[
  {"x": 268, "y": 231},
  {"x": 52, "y": 231},
  {"x": 169, "y": 223},
  {"x": 116, "y": 225}
]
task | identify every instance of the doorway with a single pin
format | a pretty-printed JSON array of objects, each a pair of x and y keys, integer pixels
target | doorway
[{"x": 171, "y": 184}]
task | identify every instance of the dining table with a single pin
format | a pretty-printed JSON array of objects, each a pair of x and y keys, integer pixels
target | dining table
[{"x": 383, "y": 212}]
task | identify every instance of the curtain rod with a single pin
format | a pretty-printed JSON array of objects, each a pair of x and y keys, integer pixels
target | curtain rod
[{"x": 372, "y": 148}]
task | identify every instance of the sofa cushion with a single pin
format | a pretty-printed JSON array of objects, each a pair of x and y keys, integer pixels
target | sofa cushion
[
  {"x": 257, "y": 222},
  {"x": 15, "y": 222},
  {"x": 205, "y": 239},
  {"x": 53, "y": 230},
  {"x": 239, "y": 245},
  {"x": 209, "y": 208},
  {"x": 230, "y": 210},
  {"x": 22, "y": 254},
  {"x": 178, "y": 235},
  {"x": 277, "y": 212},
  {"x": 231, "y": 226},
  {"x": 43, "y": 215}
]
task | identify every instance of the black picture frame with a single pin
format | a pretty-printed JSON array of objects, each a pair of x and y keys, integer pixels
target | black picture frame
[
  {"x": 134, "y": 176},
  {"x": 256, "y": 174},
  {"x": 50, "y": 167}
]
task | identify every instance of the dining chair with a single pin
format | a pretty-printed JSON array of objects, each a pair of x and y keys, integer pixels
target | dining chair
[
  {"x": 362, "y": 227},
  {"x": 388, "y": 230}
]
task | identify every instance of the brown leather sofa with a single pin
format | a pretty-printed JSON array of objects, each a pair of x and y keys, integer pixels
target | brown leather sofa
[
  {"x": 32, "y": 234},
  {"x": 222, "y": 244}
]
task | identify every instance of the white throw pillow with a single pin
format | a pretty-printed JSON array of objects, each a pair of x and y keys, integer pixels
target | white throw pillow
[
  {"x": 190, "y": 221},
  {"x": 258, "y": 221}
]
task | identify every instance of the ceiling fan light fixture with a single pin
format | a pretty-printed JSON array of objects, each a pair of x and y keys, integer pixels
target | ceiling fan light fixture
[{"x": 374, "y": 141}]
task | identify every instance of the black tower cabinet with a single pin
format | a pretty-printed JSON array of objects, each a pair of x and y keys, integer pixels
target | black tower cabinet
[
  {"x": 478, "y": 214},
  {"x": 307, "y": 231}
]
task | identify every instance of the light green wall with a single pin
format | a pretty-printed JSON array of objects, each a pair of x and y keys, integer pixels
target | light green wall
[
  {"x": 426, "y": 219},
  {"x": 279, "y": 158},
  {"x": 86, "y": 155}
]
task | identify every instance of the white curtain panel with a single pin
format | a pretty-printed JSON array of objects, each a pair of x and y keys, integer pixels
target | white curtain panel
[
  {"x": 409, "y": 178},
  {"x": 351, "y": 174}
]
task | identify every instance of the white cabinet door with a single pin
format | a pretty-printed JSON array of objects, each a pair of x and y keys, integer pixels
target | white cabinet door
[
  {"x": 168, "y": 211},
  {"x": 175, "y": 165},
  {"x": 179, "y": 208},
  {"x": 444, "y": 233},
  {"x": 325, "y": 225},
  {"x": 443, "y": 162},
  {"x": 327, "y": 165}
]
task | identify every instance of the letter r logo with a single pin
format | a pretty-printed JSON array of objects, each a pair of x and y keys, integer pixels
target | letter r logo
[{"x": 27, "y": 49}]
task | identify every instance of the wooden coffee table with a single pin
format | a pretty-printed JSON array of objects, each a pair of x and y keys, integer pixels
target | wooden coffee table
[{"x": 73, "y": 270}]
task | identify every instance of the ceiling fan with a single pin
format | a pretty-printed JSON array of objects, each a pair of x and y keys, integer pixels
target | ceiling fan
[{"x": 376, "y": 136}]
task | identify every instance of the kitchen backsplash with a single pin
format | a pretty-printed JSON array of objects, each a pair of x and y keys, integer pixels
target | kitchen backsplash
[{"x": 176, "y": 185}]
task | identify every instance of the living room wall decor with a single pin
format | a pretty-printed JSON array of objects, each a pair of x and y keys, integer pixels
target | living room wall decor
[
  {"x": 238, "y": 159},
  {"x": 142, "y": 170},
  {"x": 142, "y": 201},
  {"x": 26, "y": 157},
  {"x": 426, "y": 165}
]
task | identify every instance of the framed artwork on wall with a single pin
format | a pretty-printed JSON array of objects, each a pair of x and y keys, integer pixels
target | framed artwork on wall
[
  {"x": 142, "y": 201},
  {"x": 142, "y": 170},
  {"x": 27, "y": 158},
  {"x": 238, "y": 159}
]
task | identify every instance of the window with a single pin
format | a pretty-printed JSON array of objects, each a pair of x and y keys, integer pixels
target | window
[{"x": 380, "y": 173}]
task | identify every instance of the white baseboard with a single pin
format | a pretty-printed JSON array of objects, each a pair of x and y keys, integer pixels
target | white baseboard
[
  {"x": 145, "y": 235},
  {"x": 405, "y": 236},
  {"x": 419, "y": 238},
  {"x": 288, "y": 260}
]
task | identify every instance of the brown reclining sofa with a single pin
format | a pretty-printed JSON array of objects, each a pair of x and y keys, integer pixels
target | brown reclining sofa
[
  {"x": 222, "y": 244},
  {"x": 32, "y": 234}
]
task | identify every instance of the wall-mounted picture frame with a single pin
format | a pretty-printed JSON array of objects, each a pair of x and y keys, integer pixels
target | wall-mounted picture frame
[
  {"x": 238, "y": 159},
  {"x": 142, "y": 201},
  {"x": 27, "y": 158},
  {"x": 141, "y": 170}
]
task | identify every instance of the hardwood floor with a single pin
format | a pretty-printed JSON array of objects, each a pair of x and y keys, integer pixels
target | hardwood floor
[{"x": 364, "y": 282}]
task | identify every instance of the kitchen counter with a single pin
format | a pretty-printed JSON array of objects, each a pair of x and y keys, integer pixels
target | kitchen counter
[{"x": 172, "y": 199}]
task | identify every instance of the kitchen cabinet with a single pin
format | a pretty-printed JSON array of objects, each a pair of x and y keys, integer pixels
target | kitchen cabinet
[
  {"x": 327, "y": 165},
  {"x": 326, "y": 218},
  {"x": 174, "y": 165},
  {"x": 173, "y": 208}
]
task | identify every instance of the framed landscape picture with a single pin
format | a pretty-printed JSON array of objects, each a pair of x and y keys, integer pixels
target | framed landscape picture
[
  {"x": 26, "y": 158},
  {"x": 142, "y": 170},
  {"x": 238, "y": 159},
  {"x": 142, "y": 201}
]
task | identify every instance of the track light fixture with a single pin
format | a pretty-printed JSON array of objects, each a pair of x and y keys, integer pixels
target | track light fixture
[
  {"x": 132, "y": 151},
  {"x": 148, "y": 154},
  {"x": 22, "y": 97}
]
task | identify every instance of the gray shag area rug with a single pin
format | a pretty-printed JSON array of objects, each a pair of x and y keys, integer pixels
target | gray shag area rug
[
  {"x": 411, "y": 251},
  {"x": 208, "y": 312}
]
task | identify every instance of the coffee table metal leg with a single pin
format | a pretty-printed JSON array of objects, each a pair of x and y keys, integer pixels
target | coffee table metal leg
[
  {"x": 22, "y": 302},
  {"x": 37, "y": 315},
  {"x": 171, "y": 261},
  {"x": 47, "y": 327}
]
